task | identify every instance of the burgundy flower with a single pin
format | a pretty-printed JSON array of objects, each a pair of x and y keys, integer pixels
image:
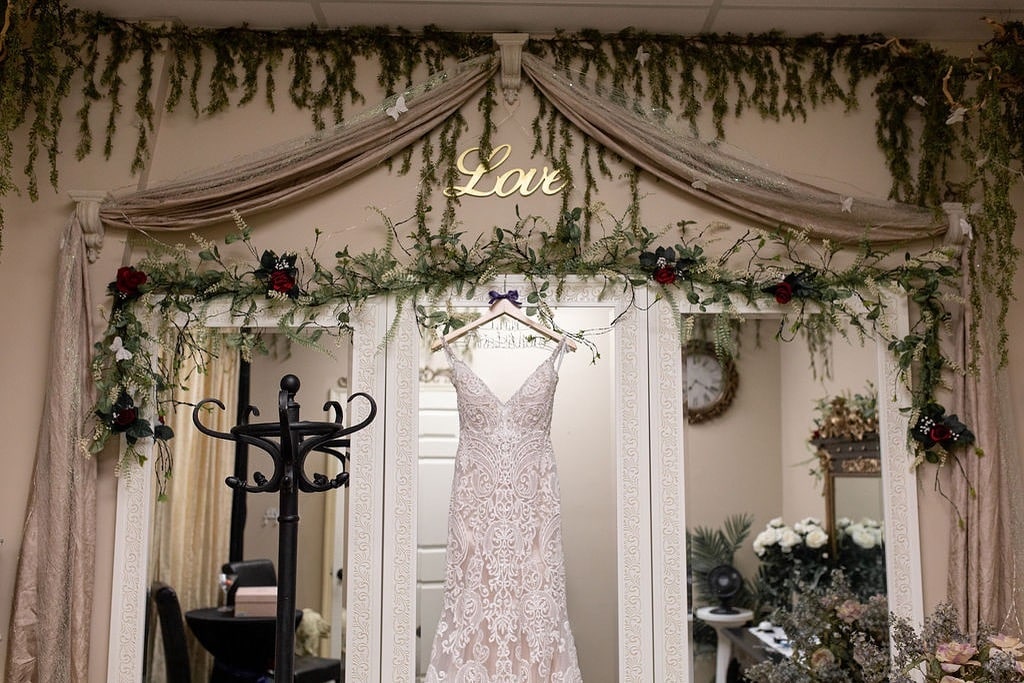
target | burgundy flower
[
  {"x": 783, "y": 293},
  {"x": 939, "y": 433},
  {"x": 665, "y": 275},
  {"x": 281, "y": 281},
  {"x": 126, "y": 285},
  {"x": 125, "y": 418}
]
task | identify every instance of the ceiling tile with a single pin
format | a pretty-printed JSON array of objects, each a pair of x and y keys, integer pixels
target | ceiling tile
[
  {"x": 536, "y": 17},
  {"x": 209, "y": 13}
]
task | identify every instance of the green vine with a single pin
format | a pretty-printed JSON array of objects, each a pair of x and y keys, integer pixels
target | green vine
[
  {"x": 312, "y": 297},
  {"x": 951, "y": 128}
]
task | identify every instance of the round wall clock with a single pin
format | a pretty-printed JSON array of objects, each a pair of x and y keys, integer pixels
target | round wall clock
[{"x": 710, "y": 382}]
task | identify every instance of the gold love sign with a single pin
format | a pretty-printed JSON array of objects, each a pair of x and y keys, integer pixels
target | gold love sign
[{"x": 523, "y": 181}]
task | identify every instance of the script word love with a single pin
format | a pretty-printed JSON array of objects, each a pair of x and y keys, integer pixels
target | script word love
[{"x": 523, "y": 181}]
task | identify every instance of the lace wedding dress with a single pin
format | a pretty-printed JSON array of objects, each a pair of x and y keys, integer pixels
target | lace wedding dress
[{"x": 504, "y": 617}]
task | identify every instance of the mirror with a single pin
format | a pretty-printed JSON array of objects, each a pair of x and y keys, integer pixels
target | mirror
[
  {"x": 651, "y": 496},
  {"x": 191, "y": 538},
  {"x": 322, "y": 527},
  {"x": 754, "y": 457}
]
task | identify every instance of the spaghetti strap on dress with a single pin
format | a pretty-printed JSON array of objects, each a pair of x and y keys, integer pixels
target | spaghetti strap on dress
[{"x": 504, "y": 617}]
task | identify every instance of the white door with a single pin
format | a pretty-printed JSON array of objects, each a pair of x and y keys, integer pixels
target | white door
[{"x": 438, "y": 439}]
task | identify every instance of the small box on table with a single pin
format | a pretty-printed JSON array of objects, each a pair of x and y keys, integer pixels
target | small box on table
[{"x": 256, "y": 601}]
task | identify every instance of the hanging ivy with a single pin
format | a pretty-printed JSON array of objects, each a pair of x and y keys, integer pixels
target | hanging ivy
[{"x": 950, "y": 128}]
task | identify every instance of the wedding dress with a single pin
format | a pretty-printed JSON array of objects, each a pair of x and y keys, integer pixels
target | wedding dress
[{"x": 504, "y": 617}]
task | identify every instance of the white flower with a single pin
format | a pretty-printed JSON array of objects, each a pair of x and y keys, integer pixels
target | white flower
[
  {"x": 863, "y": 537},
  {"x": 956, "y": 116},
  {"x": 120, "y": 353},
  {"x": 816, "y": 538},
  {"x": 766, "y": 538},
  {"x": 788, "y": 539},
  {"x": 847, "y": 204},
  {"x": 843, "y": 522},
  {"x": 642, "y": 55},
  {"x": 777, "y": 523},
  {"x": 399, "y": 108}
]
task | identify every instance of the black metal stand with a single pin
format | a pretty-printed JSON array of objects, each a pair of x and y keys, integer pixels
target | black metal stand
[{"x": 295, "y": 441}]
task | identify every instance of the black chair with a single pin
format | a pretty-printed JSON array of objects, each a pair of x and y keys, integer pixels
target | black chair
[
  {"x": 172, "y": 633},
  {"x": 259, "y": 572}
]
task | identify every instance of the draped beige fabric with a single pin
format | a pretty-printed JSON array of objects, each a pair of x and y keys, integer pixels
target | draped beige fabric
[
  {"x": 192, "y": 528},
  {"x": 710, "y": 175},
  {"x": 49, "y": 630},
  {"x": 303, "y": 168},
  {"x": 987, "y": 554}
]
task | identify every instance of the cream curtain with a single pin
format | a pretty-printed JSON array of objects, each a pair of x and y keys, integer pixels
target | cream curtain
[
  {"x": 192, "y": 528},
  {"x": 987, "y": 554},
  {"x": 49, "y": 630}
]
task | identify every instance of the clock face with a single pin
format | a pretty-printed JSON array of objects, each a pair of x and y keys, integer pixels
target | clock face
[
  {"x": 705, "y": 381},
  {"x": 710, "y": 382}
]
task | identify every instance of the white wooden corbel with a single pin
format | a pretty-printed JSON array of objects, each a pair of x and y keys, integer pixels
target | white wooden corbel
[
  {"x": 959, "y": 229},
  {"x": 87, "y": 209},
  {"x": 511, "y": 50}
]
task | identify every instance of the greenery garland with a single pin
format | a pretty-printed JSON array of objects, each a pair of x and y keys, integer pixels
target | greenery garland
[
  {"x": 806, "y": 279},
  {"x": 962, "y": 119},
  {"x": 932, "y": 106}
]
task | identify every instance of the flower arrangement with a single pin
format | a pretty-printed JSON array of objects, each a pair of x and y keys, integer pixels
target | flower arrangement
[
  {"x": 937, "y": 434},
  {"x": 121, "y": 366},
  {"x": 942, "y": 653},
  {"x": 850, "y": 416},
  {"x": 860, "y": 555},
  {"x": 795, "y": 560},
  {"x": 836, "y": 638}
]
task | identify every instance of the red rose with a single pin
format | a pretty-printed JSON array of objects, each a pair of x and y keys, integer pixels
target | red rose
[
  {"x": 783, "y": 293},
  {"x": 665, "y": 275},
  {"x": 939, "y": 433},
  {"x": 125, "y": 418},
  {"x": 129, "y": 280},
  {"x": 280, "y": 281}
]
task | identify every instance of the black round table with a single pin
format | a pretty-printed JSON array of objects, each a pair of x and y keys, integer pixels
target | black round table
[{"x": 242, "y": 647}]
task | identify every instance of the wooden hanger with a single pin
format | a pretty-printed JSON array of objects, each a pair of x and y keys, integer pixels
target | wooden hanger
[{"x": 504, "y": 304}]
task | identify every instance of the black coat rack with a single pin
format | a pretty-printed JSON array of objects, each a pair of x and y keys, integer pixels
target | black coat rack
[{"x": 295, "y": 440}]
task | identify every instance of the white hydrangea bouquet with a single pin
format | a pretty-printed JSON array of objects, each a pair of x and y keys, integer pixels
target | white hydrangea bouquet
[
  {"x": 860, "y": 550},
  {"x": 793, "y": 561}
]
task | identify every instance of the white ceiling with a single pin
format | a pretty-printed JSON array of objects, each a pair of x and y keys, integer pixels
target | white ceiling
[{"x": 936, "y": 20}]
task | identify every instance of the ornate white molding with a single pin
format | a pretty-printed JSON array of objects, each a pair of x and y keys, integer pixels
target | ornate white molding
[
  {"x": 87, "y": 209},
  {"x": 125, "y": 652},
  {"x": 668, "y": 493},
  {"x": 510, "y": 46}
]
